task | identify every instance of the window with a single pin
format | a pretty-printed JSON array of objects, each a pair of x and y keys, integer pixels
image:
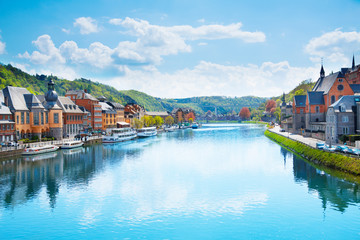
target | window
[
  {"x": 340, "y": 87},
  {"x": 317, "y": 109},
  {"x": 8, "y": 127},
  {"x": 56, "y": 118},
  {"x": 345, "y": 119},
  {"x": 22, "y": 118},
  {"x": 36, "y": 118},
  {"x": 12, "y": 127},
  {"x": 332, "y": 99},
  {"x": 27, "y": 118},
  {"x": 17, "y": 119},
  {"x": 341, "y": 80},
  {"x": 42, "y": 118},
  {"x": 345, "y": 130},
  {"x": 342, "y": 108},
  {"x": 301, "y": 110},
  {"x": 47, "y": 117}
]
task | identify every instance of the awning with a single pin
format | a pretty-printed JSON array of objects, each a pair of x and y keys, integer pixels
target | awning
[{"x": 123, "y": 123}]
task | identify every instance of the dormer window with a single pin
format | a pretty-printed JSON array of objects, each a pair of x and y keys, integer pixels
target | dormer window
[{"x": 342, "y": 108}]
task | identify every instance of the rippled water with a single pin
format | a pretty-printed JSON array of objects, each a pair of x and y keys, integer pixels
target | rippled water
[{"x": 216, "y": 182}]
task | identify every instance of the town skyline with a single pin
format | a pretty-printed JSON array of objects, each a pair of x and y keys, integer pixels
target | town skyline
[{"x": 182, "y": 49}]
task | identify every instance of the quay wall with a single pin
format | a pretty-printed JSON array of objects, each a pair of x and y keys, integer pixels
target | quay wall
[{"x": 345, "y": 163}]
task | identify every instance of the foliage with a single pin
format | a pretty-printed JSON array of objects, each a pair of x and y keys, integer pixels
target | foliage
[
  {"x": 190, "y": 120},
  {"x": 158, "y": 121},
  {"x": 344, "y": 138},
  {"x": 270, "y": 106},
  {"x": 244, "y": 113},
  {"x": 169, "y": 120},
  {"x": 331, "y": 160},
  {"x": 136, "y": 123},
  {"x": 148, "y": 121}
]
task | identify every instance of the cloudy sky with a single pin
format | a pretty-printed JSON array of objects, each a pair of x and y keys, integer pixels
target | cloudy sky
[{"x": 182, "y": 48}]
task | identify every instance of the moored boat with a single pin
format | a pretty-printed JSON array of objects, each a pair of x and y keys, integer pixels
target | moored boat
[
  {"x": 72, "y": 144},
  {"x": 115, "y": 135},
  {"x": 195, "y": 126},
  {"x": 146, "y": 132},
  {"x": 170, "y": 129},
  {"x": 38, "y": 150}
]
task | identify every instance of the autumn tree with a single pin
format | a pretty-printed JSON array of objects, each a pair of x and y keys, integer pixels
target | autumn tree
[
  {"x": 169, "y": 120},
  {"x": 270, "y": 104},
  {"x": 191, "y": 120},
  {"x": 244, "y": 113},
  {"x": 190, "y": 115}
]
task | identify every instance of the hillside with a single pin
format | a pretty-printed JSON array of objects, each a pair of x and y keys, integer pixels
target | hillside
[{"x": 37, "y": 84}]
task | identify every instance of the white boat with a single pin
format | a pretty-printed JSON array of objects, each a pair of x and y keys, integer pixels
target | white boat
[
  {"x": 72, "y": 144},
  {"x": 38, "y": 150},
  {"x": 194, "y": 126},
  {"x": 39, "y": 157},
  {"x": 170, "y": 129},
  {"x": 146, "y": 132},
  {"x": 115, "y": 135}
]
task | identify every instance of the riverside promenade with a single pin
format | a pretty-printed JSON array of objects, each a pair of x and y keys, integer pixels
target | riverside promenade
[{"x": 306, "y": 140}]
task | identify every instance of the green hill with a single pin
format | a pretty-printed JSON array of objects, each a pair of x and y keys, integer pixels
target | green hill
[{"x": 37, "y": 84}]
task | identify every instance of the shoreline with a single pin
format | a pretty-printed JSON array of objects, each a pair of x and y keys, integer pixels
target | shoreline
[{"x": 335, "y": 161}]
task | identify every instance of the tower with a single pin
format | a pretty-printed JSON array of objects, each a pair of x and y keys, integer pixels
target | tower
[
  {"x": 322, "y": 72},
  {"x": 353, "y": 63}
]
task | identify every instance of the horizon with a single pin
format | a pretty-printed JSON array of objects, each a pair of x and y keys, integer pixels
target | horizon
[{"x": 174, "y": 50}]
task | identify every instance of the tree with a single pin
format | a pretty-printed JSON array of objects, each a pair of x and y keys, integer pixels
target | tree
[
  {"x": 191, "y": 120},
  {"x": 190, "y": 115},
  {"x": 169, "y": 120},
  {"x": 244, "y": 113},
  {"x": 136, "y": 123},
  {"x": 158, "y": 121},
  {"x": 270, "y": 104},
  {"x": 148, "y": 121}
]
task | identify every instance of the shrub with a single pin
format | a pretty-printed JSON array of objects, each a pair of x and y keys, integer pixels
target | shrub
[{"x": 332, "y": 160}]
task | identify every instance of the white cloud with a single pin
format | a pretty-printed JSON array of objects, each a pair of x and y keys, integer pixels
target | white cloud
[
  {"x": 335, "y": 47},
  {"x": 67, "y": 31},
  {"x": 47, "y": 54},
  {"x": 202, "y": 20},
  {"x": 2, "y": 47},
  {"x": 202, "y": 44},
  {"x": 207, "y": 79},
  {"x": 98, "y": 55},
  {"x": 87, "y": 25}
]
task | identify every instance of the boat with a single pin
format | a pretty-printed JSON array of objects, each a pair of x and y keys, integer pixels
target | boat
[
  {"x": 170, "y": 129},
  {"x": 72, "y": 144},
  {"x": 115, "y": 135},
  {"x": 38, "y": 150},
  {"x": 146, "y": 132},
  {"x": 194, "y": 126},
  {"x": 40, "y": 157}
]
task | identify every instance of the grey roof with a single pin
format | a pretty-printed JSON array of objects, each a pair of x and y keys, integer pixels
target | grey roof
[
  {"x": 84, "y": 110},
  {"x": 68, "y": 106},
  {"x": 116, "y": 105},
  {"x": 345, "y": 102},
  {"x": 156, "y": 113},
  {"x": 32, "y": 102},
  {"x": 300, "y": 100},
  {"x": 80, "y": 94},
  {"x": 355, "y": 88},
  {"x": 3, "y": 108},
  {"x": 316, "y": 98},
  {"x": 106, "y": 108},
  {"x": 47, "y": 105},
  {"x": 325, "y": 84},
  {"x": 16, "y": 98}
]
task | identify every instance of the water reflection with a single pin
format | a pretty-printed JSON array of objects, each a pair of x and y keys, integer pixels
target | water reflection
[
  {"x": 331, "y": 190},
  {"x": 23, "y": 178}
]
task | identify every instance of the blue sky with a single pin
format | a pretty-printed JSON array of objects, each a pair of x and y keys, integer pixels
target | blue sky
[{"x": 182, "y": 48}]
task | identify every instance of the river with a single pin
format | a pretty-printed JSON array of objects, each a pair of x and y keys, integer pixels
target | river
[{"x": 221, "y": 181}]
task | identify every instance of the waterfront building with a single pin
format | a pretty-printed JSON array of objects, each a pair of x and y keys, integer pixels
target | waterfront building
[
  {"x": 120, "y": 111},
  {"x": 298, "y": 116},
  {"x": 90, "y": 103},
  {"x": 73, "y": 117},
  {"x": 7, "y": 123},
  {"x": 31, "y": 117},
  {"x": 342, "y": 118},
  {"x": 178, "y": 115},
  {"x": 133, "y": 111},
  {"x": 286, "y": 115},
  {"x": 108, "y": 116},
  {"x": 160, "y": 114},
  {"x": 86, "y": 120}
]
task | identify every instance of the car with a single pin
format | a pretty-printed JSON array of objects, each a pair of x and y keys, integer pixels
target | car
[
  {"x": 12, "y": 144},
  {"x": 320, "y": 145},
  {"x": 282, "y": 130},
  {"x": 342, "y": 149}
]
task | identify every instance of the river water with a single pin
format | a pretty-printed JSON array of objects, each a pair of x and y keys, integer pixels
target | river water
[{"x": 223, "y": 181}]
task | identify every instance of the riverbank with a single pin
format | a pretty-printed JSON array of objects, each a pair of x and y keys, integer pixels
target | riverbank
[{"x": 336, "y": 161}]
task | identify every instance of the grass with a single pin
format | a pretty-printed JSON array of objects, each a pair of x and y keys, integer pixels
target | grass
[
  {"x": 256, "y": 122},
  {"x": 331, "y": 160}
]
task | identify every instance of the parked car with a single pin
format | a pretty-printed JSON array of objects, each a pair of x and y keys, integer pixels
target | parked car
[
  {"x": 342, "y": 149},
  {"x": 320, "y": 145},
  {"x": 12, "y": 144},
  {"x": 282, "y": 130}
]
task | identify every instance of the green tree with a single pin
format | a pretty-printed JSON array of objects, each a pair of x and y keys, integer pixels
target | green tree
[
  {"x": 136, "y": 123},
  {"x": 169, "y": 120},
  {"x": 158, "y": 121},
  {"x": 148, "y": 121}
]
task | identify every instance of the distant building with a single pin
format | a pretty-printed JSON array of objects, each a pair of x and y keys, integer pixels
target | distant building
[
  {"x": 120, "y": 112},
  {"x": 133, "y": 111},
  {"x": 108, "y": 116},
  {"x": 160, "y": 114},
  {"x": 73, "y": 117}
]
